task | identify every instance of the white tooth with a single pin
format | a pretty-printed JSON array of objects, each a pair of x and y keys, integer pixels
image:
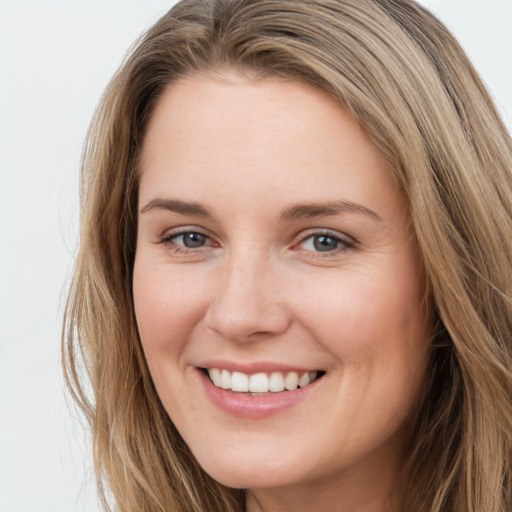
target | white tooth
[
  {"x": 313, "y": 376},
  {"x": 291, "y": 381},
  {"x": 215, "y": 375},
  {"x": 225, "y": 380},
  {"x": 276, "y": 382},
  {"x": 239, "y": 382},
  {"x": 258, "y": 383},
  {"x": 304, "y": 380}
]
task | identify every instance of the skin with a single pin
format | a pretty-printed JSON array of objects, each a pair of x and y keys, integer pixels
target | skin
[{"x": 258, "y": 289}]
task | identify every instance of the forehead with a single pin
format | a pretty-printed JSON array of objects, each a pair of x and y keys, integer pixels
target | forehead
[
  {"x": 255, "y": 113},
  {"x": 237, "y": 136}
]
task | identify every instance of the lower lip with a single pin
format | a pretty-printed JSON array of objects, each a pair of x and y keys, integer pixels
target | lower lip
[{"x": 247, "y": 406}]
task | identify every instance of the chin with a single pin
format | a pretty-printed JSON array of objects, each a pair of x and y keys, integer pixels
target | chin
[
  {"x": 250, "y": 478},
  {"x": 252, "y": 473}
]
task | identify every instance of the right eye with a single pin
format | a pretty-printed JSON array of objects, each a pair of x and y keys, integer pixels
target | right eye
[
  {"x": 185, "y": 241},
  {"x": 190, "y": 240}
]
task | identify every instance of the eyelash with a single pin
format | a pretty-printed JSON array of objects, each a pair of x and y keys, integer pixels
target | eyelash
[
  {"x": 343, "y": 243},
  {"x": 168, "y": 240}
]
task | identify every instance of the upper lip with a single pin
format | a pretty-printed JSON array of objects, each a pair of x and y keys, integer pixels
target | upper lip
[{"x": 255, "y": 367}]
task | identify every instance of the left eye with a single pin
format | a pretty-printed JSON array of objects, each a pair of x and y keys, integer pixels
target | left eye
[{"x": 323, "y": 242}]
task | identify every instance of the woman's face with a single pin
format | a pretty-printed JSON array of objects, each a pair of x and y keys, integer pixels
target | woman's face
[{"x": 274, "y": 247}]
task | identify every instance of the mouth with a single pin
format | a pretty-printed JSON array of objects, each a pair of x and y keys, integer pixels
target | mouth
[{"x": 262, "y": 383}]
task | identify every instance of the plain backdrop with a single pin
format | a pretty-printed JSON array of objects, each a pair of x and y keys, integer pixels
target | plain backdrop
[{"x": 56, "y": 57}]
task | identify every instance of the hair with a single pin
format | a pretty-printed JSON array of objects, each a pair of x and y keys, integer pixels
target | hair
[{"x": 400, "y": 73}]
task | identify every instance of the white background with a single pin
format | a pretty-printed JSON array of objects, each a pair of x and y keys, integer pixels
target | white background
[{"x": 55, "y": 59}]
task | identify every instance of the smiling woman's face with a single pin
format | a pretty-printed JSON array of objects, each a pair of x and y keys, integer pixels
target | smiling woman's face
[{"x": 273, "y": 247}]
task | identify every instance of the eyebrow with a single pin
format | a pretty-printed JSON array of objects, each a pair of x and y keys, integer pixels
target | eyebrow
[
  {"x": 313, "y": 210},
  {"x": 177, "y": 206},
  {"x": 300, "y": 211}
]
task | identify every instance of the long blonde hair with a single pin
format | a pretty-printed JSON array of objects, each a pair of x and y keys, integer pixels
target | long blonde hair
[{"x": 408, "y": 83}]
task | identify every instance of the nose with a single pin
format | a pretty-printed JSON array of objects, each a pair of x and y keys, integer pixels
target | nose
[{"x": 248, "y": 302}]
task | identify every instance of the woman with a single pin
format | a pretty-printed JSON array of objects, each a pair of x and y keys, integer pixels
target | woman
[{"x": 293, "y": 290}]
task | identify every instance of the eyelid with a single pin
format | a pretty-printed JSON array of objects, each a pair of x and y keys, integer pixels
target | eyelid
[
  {"x": 167, "y": 238},
  {"x": 345, "y": 241}
]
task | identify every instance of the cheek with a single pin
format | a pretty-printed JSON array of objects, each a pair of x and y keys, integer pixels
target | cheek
[
  {"x": 370, "y": 322},
  {"x": 167, "y": 305}
]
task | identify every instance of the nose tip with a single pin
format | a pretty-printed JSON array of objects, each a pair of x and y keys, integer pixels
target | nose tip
[{"x": 247, "y": 307}]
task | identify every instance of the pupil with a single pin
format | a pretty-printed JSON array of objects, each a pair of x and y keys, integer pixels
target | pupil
[
  {"x": 325, "y": 243},
  {"x": 193, "y": 239}
]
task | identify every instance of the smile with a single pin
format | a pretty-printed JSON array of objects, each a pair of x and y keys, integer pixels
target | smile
[{"x": 261, "y": 383}]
